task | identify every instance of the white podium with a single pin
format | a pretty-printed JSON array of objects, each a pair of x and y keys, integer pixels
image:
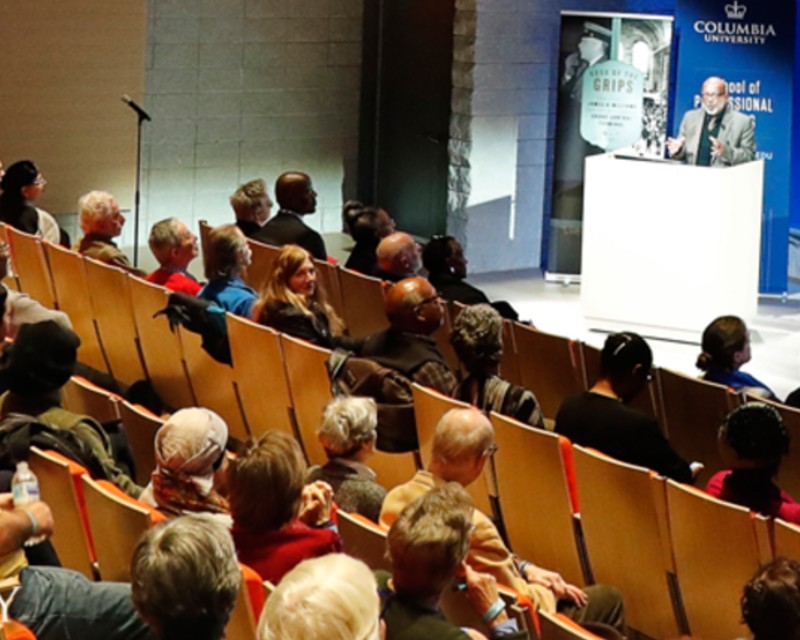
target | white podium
[{"x": 669, "y": 247}]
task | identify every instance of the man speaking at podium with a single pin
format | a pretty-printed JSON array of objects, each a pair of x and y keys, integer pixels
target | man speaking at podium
[{"x": 714, "y": 135}]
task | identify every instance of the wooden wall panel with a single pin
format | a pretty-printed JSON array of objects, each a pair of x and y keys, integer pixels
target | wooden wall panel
[{"x": 63, "y": 69}]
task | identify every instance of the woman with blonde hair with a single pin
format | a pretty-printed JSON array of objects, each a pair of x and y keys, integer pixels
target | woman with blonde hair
[{"x": 293, "y": 302}]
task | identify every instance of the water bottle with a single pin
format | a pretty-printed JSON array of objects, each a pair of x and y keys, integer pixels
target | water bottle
[{"x": 25, "y": 487}]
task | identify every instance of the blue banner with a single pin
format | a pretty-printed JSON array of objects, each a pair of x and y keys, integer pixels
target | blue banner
[{"x": 752, "y": 47}]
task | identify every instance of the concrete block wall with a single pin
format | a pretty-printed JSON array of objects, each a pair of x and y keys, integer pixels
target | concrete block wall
[{"x": 240, "y": 89}]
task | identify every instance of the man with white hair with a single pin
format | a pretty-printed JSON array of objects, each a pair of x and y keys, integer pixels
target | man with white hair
[
  {"x": 399, "y": 257},
  {"x": 714, "y": 135},
  {"x": 100, "y": 221},
  {"x": 462, "y": 444}
]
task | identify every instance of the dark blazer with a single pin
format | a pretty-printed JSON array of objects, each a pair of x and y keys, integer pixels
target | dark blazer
[{"x": 288, "y": 228}]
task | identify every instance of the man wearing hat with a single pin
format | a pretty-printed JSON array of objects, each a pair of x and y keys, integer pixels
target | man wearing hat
[
  {"x": 714, "y": 135},
  {"x": 592, "y": 49},
  {"x": 39, "y": 362}
]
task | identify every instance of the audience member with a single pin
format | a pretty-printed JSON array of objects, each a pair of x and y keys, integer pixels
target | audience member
[
  {"x": 726, "y": 347},
  {"x": 59, "y": 603},
  {"x": 296, "y": 198},
  {"x": 40, "y": 362},
  {"x": 444, "y": 259},
  {"x": 427, "y": 545},
  {"x": 277, "y": 521},
  {"x": 190, "y": 465},
  {"x": 414, "y": 310},
  {"x": 22, "y": 185},
  {"x": 329, "y": 598},
  {"x": 174, "y": 246},
  {"x": 100, "y": 221},
  {"x": 399, "y": 256},
  {"x": 348, "y": 434},
  {"x": 227, "y": 257},
  {"x": 252, "y": 206},
  {"x": 600, "y": 418},
  {"x": 477, "y": 338},
  {"x": 292, "y": 301},
  {"x": 771, "y": 601},
  {"x": 462, "y": 443},
  {"x": 367, "y": 226},
  {"x": 186, "y": 578},
  {"x": 752, "y": 441},
  {"x": 18, "y": 308}
]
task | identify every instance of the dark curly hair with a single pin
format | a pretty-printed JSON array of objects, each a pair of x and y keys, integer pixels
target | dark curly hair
[
  {"x": 771, "y": 601},
  {"x": 755, "y": 431}
]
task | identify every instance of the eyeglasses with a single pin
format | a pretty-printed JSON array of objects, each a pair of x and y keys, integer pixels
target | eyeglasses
[
  {"x": 40, "y": 181},
  {"x": 491, "y": 450},
  {"x": 437, "y": 299}
]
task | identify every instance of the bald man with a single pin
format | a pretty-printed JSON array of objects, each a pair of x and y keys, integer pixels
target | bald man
[
  {"x": 399, "y": 256},
  {"x": 415, "y": 311},
  {"x": 296, "y": 198},
  {"x": 714, "y": 135},
  {"x": 462, "y": 444}
]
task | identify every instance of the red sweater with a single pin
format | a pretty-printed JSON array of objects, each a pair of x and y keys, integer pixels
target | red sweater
[
  {"x": 755, "y": 490},
  {"x": 274, "y": 553},
  {"x": 175, "y": 281}
]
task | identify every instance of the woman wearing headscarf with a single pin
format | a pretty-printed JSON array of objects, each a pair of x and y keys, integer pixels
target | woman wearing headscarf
[{"x": 190, "y": 465}]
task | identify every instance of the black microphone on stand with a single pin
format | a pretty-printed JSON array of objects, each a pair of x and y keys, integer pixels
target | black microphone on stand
[
  {"x": 129, "y": 101},
  {"x": 142, "y": 117}
]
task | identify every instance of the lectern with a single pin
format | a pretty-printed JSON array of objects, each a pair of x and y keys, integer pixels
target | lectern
[{"x": 667, "y": 246}]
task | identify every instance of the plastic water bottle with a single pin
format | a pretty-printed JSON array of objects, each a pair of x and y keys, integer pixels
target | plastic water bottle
[{"x": 25, "y": 487}]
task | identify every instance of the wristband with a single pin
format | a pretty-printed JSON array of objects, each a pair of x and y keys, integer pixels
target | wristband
[
  {"x": 34, "y": 523},
  {"x": 494, "y": 611}
]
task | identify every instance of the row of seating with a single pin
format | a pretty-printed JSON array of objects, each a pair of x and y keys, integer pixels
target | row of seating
[
  {"x": 98, "y": 527},
  {"x": 286, "y": 377}
]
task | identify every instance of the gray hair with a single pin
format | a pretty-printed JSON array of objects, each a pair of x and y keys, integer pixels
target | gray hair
[
  {"x": 477, "y": 337},
  {"x": 334, "y": 597},
  {"x": 94, "y": 206},
  {"x": 185, "y": 577},
  {"x": 347, "y": 424},
  {"x": 165, "y": 233}
]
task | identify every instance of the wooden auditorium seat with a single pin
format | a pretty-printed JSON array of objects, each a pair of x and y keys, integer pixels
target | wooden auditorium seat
[
  {"x": 31, "y": 268},
  {"x": 161, "y": 348},
  {"x": 328, "y": 281},
  {"x": 559, "y": 627},
  {"x": 549, "y": 366},
  {"x": 692, "y": 411},
  {"x": 310, "y": 388},
  {"x": 213, "y": 384},
  {"x": 717, "y": 547},
  {"x": 624, "y": 522},
  {"x": 363, "y": 539},
  {"x": 110, "y": 296},
  {"x": 62, "y": 489},
  {"x": 116, "y": 522},
  {"x": 533, "y": 468},
  {"x": 261, "y": 264},
  {"x": 86, "y": 398},
  {"x": 141, "y": 426},
  {"x": 72, "y": 292},
  {"x": 786, "y": 539},
  {"x": 392, "y": 469},
  {"x": 362, "y": 301},
  {"x": 509, "y": 361},
  {"x": 260, "y": 376}
]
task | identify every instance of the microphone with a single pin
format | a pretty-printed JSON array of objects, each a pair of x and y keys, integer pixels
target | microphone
[{"x": 129, "y": 101}]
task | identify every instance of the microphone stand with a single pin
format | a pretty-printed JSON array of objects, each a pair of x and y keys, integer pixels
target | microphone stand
[{"x": 141, "y": 115}]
